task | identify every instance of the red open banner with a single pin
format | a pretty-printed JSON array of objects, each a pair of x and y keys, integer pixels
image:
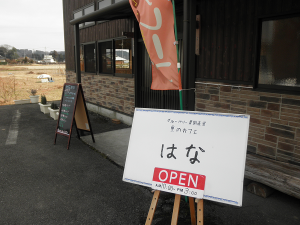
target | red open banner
[
  {"x": 178, "y": 182},
  {"x": 156, "y": 22}
]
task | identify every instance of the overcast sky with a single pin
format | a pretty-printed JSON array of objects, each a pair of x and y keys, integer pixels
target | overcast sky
[{"x": 32, "y": 24}]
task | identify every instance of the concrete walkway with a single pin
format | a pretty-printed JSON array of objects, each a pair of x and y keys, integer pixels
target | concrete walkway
[{"x": 113, "y": 144}]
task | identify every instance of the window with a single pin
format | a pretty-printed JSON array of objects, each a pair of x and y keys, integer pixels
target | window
[
  {"x": 77, "y": 15},
  {"x": 104, "y": 3},
  {"x": 115, "y": 57},
  {"x": 279, "y": 65},
  {"x": 89, "y": 58},
  {"x": 84, "y": 11},
  {"x": 81, "y": 58},
  {"x": 123, "y": 56},
  {"x": 105, "y": 57},
  {"x": 87, "y": 11}
]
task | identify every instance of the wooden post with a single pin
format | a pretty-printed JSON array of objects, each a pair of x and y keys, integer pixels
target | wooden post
[
  {"x": 200, "y": 212},
  {"x": 192, "y": 210},
  {"x": 176, "y": 209},
  {"x": 152, "y": 208}
]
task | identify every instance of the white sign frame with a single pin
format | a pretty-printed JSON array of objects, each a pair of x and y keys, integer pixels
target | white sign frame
[{"x": 219, "y": 138}]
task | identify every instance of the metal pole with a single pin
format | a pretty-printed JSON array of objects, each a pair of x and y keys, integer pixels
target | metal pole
[
  {"x": 192, "y": 56},
  {"x": 77, "y": 53}
]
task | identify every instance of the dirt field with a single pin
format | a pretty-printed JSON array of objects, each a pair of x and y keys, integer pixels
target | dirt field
[{"x": 17, "y": 81}]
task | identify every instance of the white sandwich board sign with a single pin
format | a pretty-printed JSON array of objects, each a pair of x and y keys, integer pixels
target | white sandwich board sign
[{"x": 197, "y": 154}]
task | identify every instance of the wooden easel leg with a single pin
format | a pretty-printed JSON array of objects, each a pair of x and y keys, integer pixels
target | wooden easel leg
[
  {"x": 152, "y": 208},
  {"x": 176, "y": 209},
  {"x": 192, "y": 210},
  {"x": 200, "y": 212}
]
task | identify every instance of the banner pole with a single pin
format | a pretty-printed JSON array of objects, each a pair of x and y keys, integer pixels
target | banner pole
[
  {"x": 191, "y": 200},
  {"x": 178, "y": 61},
  {"x": 180, "y": 99}
]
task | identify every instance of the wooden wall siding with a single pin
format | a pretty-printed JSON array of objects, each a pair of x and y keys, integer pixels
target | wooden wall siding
[
  {"x": 113, "y": 28},
  {"x": 228, "y": 36},
  {"x": 100, "y": 31},
  {"x": 106, "y": 30},
  {"x": 87, "y": 34},
  {"x": 68, "y": 7}
]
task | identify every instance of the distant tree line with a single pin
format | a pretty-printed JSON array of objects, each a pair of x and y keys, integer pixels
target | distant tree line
[
  {"x": 57, "y": 56},
  {"x": 9, "y": 53},
  {"x": 27, "y": 56}
]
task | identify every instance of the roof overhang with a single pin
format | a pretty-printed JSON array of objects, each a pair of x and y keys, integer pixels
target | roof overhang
[{"x": 118, "y": 10}]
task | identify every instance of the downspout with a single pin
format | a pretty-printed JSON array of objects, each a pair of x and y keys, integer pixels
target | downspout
[
  {"x": 77, "y": 53},
  {"x": 192, "y": 56},
  {"x": 186, "y": 26}
]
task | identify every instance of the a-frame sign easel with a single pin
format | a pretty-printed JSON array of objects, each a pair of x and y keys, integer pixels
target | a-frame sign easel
[
  {"x": 176, "y": 206},
  {"x": 72, "y": 109}
]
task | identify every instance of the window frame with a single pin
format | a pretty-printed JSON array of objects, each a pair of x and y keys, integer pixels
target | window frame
[
  {"x": 84, "y": 55},
  {"x": 98, "y": 58},
  {"x": 83, "y": 51},
  {"x": 131, "y": 75},
  {"x": 266, "y": 87}
]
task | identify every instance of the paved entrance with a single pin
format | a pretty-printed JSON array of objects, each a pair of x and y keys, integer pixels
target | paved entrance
[{"x": 42, "y": 183}]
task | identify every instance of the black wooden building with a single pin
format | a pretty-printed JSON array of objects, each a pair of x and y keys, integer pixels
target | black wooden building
[{"x": 237, "y": 56}]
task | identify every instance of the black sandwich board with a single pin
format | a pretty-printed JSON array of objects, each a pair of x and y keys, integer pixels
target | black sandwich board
[{"x": 72, "y": 109}]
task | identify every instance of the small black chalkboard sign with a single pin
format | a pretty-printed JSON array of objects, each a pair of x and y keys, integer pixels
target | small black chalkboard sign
[
  {"x": 72, "y": 109},
  {"x": 67, "y": 108}
]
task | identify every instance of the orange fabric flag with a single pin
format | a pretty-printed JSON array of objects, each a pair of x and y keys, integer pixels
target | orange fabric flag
[{"x": 156, "y": 22}]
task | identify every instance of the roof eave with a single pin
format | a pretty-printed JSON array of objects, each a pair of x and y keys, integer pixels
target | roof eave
[{"x": 115, "y": 11}]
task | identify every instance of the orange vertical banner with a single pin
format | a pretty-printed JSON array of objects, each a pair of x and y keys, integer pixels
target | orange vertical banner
[{"x": 156, "y": 21}]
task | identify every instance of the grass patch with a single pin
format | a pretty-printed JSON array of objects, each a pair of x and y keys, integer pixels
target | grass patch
[{"x": 22, "y": 81}]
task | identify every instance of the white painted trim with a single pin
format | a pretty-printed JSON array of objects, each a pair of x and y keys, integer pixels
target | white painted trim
[{"x": 109, "y": 113}]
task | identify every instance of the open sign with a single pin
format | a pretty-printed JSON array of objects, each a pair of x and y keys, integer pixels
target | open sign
[
  {"x": 178, "y": 182},
  {"x": 200, "y": 143}
]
